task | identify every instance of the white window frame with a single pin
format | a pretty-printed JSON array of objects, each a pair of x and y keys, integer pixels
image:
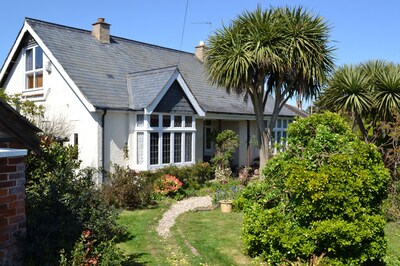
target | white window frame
[
  {"x": 34, "y": 70},
  {"x": 146, "y": 128},
  {"x": 278, "y": 129}
]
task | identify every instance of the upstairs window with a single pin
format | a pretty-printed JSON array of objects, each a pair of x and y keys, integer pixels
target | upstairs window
[{"x": 34, "y": 67}]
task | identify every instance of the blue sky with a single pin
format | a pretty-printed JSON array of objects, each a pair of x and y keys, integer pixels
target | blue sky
[{"x": 361, "y": 30}]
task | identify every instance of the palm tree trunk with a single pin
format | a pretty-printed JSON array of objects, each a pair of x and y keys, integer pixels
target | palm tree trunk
[
  {"x": 261, "y": 135},
  {"x": 361, "y": 126}
]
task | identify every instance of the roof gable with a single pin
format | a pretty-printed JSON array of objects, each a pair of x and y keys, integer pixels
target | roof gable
[
  {"x": 175, "y": 101},
  {"x": 28, "y": 36},
  {"x": 147, "y": 89}
]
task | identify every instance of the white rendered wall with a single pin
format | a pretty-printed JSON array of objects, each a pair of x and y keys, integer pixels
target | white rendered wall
[
  {"x": 116, "y": 137},
  {"x": 62, "y": 102}
]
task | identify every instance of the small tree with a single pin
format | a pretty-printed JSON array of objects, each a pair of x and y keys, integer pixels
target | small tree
[
  {"x": 323, "y": 195},
  {"x": 281, "y": 51},
  {"x": 61, "y": 203},
  {"x": 225, "y": 144}
]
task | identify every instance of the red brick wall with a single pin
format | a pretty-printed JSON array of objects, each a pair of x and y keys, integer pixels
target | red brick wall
[{"x": 12, "y": 207}]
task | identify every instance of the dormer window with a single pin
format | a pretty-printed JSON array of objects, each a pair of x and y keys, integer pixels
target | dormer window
[{"x": 34, "y": 67}]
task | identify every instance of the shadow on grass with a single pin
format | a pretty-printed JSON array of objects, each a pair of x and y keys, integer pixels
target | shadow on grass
[
  {"x": 133, "y": 260},
  {"x": 124, "y": 237}
]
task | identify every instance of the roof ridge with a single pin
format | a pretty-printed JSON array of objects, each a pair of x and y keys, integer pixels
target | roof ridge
[
  {"x": 112, "y": 36},
  {"x": 154, "y": 69}
]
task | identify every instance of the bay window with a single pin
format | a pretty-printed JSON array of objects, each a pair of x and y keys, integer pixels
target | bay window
[{"x": 170, "y": 139}]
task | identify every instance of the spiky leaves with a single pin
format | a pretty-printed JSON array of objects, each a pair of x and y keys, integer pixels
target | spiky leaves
[{"x": 280, "y": 51}]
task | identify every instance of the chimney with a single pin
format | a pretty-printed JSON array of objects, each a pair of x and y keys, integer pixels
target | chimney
[
  {"x": 299, "y": 104},
  {"x": 200, "y": 51},
  {"x": 101, "y": 31}
]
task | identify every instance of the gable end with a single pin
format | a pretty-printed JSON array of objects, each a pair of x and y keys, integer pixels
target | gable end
[{"x": 175, "y": 101}]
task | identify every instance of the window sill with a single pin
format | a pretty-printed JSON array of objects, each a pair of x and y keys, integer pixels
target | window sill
[{"x": 36, "y": 94}]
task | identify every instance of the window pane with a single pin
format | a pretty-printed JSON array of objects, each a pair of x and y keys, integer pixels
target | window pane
[
  {"x": 278, "y": 136},
  {"x": 178, "y": 121},
  {"x": 38, "y": 58},
  {"x": 188, "y": 147},
  {"x": 166, "y": 121},
  {"x": 208, "y": 138},
  {"x": 166, "y": 151},
  {"x": 29, "y": 81},
  {"x": 29, "y": 60},
  {"x": 140, "y": 120},
  {"x": 188, "y": 121},
  {"x": 154, "y": 120},
  {"x": 39, "y": 80},
  {"x": 153, "y": 148},
  {"x": 284, "y": 123},
  {"x": 279, "y": 122},
  {"x": 178, "y": 147},
  {"x": 140, "y": 148}
]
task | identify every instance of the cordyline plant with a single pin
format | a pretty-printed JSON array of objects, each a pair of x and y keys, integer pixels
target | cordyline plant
[{"x": 281, "y": 51}]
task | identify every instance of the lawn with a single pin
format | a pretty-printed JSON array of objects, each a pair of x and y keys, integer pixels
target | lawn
[
  {"x": 392, "y": 232},
  {"x": 201, "y": 238},
  {"x": 198, "y": 238}
]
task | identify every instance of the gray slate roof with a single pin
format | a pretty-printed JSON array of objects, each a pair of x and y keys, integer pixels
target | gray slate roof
[
  {"x": 100, "y": 71},
  {"x": 144, "y": 86}
]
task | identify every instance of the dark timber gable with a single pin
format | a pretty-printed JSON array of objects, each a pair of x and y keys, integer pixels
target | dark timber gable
[{"x": 175, "y": 101}]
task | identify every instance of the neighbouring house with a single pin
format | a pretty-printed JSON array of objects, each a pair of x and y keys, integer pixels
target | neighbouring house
[
  {"x": 16, "y": 135},
  {"x": 128, "y": 102}
]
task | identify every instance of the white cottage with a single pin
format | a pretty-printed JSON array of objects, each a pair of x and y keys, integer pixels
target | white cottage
[{"x": 129, "y": 103}]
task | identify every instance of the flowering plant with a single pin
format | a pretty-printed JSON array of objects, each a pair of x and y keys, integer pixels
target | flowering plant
[
  {"x": 227, "y": 192},
  {"x": 167, "y": 184}
]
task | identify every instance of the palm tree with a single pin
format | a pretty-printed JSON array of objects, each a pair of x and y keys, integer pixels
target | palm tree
[
  {"x": 278, "y": 51},
  {"x": 385, "y": 87},
  {"x": 349, "y": 91},
  {"x": 370, "y": 92}
]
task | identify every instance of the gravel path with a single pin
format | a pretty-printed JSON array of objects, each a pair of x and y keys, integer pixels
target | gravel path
[{"x": 168, "y": 219}]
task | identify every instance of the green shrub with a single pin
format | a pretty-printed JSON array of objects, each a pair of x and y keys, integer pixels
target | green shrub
[
  {"x": 323, "y": 195},
  {"x": 193, "y": 177},
  {"x": 226, "y": 143},
  {"x": 62, "y": 202},
  {"x": 87, "y": 251},
  {"x": 127, "y": 189}
]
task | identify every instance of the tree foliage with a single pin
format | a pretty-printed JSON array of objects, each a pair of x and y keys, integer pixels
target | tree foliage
[
  {"x": 282, "y": 52},
  {"x": 61, "y": 203},
  {"x": 226, "y": 142},
  {"x": 370, "y": 94},
  {"x": 323, "y": 195}
]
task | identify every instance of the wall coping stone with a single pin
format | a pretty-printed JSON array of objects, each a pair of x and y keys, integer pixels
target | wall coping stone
[{"x": 8, "y": 152}]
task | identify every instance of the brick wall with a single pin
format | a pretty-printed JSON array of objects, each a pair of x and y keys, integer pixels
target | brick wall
[{"x": 12, "y": 206}]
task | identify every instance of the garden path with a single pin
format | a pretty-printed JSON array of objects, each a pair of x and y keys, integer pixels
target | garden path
[{"x": 168, "y": 219}]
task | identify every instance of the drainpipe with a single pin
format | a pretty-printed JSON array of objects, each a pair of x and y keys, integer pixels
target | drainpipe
[
  {"x": 248, "y": 143},
  {"x": 103, "y": 172}
]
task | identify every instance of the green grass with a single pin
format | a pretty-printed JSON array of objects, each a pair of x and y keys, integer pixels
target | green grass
[
  {"x": 198, "y": 238},
  {"x": 211, "y": 238},
  {"x": 392, "y": 231}
]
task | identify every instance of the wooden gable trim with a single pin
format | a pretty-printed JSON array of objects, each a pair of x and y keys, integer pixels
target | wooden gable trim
[
  {"x": 17, "y": 48},
  {"x": 178, "y": 77}
]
